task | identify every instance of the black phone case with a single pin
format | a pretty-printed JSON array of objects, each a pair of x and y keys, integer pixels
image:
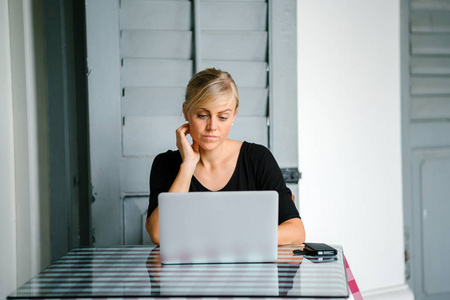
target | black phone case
[{"x": 319, "y": 249}]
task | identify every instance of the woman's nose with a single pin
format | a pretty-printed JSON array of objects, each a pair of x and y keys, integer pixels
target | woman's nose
[{"x": 212, "y": 123}]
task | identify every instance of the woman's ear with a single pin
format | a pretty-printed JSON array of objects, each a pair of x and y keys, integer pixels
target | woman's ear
[{"x": 235, "y": 113}]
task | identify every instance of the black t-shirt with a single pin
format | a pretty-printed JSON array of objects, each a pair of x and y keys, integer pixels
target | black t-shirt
[{"x": 256, "y": 169}]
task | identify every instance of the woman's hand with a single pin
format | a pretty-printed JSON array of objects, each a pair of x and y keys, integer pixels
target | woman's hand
[{"x": 190, "y": 154}]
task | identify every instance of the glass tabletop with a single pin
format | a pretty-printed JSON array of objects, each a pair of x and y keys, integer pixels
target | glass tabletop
[{"x": 136, "y": 271}]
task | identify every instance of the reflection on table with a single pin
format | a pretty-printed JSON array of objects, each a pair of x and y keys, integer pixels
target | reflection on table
[{"x": 137, "y": 272}]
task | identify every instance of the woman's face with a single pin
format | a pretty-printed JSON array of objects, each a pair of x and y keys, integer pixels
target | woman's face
[{"x": 210, "y": 127}]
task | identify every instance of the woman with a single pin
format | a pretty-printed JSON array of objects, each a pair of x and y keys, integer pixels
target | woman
[{"x": 215, "y": 163}]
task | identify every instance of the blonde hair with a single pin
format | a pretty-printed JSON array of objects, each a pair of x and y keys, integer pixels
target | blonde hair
[{"x": 210, "y": 88}]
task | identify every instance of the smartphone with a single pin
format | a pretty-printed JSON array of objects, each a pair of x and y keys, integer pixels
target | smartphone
[
  {"x": 321, "y": 259},
  {"x": 319, "y": 249}
]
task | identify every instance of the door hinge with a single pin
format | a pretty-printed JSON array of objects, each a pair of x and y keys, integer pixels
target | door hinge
[
  {"x": 407, "y": 254},
  {"x": 291, "y": 175}
]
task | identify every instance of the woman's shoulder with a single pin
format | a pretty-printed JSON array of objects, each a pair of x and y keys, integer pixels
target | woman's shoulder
[
  {"x": 168, "y": 158},
  {"x": 255, "y": 149},
  {"x": 256, "y": 153},
  {"x": 169, "y": 153},
  {"x": 258, "y": 157}
]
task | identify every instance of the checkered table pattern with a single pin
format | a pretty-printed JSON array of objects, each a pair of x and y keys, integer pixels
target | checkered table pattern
[{"x": 136, "y": 272}]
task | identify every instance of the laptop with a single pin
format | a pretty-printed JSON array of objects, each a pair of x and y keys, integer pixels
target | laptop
[{"x": 218, "y": 227}]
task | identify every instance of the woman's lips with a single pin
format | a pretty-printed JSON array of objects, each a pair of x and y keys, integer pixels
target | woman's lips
[{"x": 210, "y": 137}]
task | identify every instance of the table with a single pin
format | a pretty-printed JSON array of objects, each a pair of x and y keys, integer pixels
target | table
[{"x": 136, "y": 271}]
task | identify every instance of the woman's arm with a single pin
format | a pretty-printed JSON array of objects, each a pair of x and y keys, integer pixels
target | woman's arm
[
  {"x": 291, "y": 231},
  {"x": 182, "y": 182},
  {"x": 180, "y": 185},
  {"x": 152, "y": 226}
]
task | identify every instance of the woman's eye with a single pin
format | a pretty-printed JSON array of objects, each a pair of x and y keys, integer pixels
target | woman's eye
[
  {"x": 223, "y": 118},
  {"x": 202, "y": 116}
]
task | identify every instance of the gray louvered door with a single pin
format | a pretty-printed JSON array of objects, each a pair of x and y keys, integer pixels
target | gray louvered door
[
  {"x": 141, "y": 54},
  {"x": 427, "y": 218}
]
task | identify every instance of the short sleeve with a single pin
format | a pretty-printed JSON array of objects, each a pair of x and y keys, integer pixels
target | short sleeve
[
  {"x": 269, "y": 177},
  {"x": 164, "y": 170}
]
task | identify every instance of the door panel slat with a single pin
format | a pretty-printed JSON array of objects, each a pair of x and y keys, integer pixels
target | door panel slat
[
  {"x": 223, "y": 15},
  {"x": 245, "y": 74},
  {"x": 226, "y": 45},
  {"x": 250, "y": 129},
  {"x": 253, "y": 102},
  {"x": 142, "y": 14},
  {"x": 430, "y": 44},
  {"x": 430, "y": 22},
  {"x": 430, "y": 65},
  {"x": 156, "y": 73},
  {"x": 437, "y": 5},
  {"x": 426, "y": 108},
  {"x": 430, "y": 134},
  {"x": 148, "y": 136},
  {"x": 421, "y": 85},
  {"x": 166, "y": 44},
  {"x": 156, "y": 101}
]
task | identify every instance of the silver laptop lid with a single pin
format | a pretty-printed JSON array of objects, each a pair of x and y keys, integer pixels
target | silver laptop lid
[{"x": 218, "y": 227}]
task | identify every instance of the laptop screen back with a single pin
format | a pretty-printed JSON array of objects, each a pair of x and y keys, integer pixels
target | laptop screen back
[{"x": 218, "y": 227}]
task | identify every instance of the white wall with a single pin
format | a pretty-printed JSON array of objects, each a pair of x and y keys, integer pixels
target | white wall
[
  {"x": 24, "y": 205},
  {"x": 350, "y": 136}
]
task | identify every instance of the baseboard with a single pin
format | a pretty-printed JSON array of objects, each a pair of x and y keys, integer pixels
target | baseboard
[{"x": 402, "y": 292}]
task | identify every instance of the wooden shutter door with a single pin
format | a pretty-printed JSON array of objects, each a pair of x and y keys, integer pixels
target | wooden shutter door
[
  {"x": 141, "y": 55},
  {"x": 429, "y": 152}
]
